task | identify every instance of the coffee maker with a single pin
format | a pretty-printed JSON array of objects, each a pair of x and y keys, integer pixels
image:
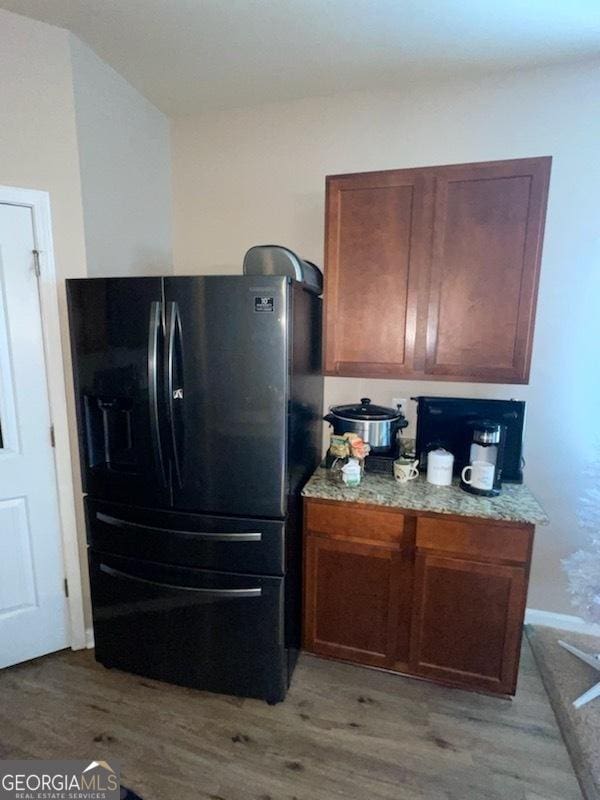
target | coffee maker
[
  {"x": 487, "y": 447},
  {"x": 447, "y": 422}
]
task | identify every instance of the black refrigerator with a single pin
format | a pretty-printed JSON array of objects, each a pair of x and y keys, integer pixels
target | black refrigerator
[{"x": 199, "y": 403}]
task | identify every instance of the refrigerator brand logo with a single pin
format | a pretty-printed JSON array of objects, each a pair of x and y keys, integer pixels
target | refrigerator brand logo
[
  {"x": 263, "y": 304},
  {"x": 59, "y": 780}
]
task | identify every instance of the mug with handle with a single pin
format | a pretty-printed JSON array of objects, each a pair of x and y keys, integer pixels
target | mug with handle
[
  {"x": 482, "y": 475},
  {"x": 405, "y": 470}
]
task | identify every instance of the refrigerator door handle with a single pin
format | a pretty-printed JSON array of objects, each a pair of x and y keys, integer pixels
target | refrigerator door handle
[
  {"x": 153, "y": 393},
  {"x": 174, "y": 390},
  {"x": 117, "y": 573},
  {"x": 245, "y": 536}
]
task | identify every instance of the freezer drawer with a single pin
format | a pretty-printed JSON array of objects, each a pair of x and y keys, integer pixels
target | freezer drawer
[
  {"x": 230, "y": 544},
  {"x": 210, "y": 630}
]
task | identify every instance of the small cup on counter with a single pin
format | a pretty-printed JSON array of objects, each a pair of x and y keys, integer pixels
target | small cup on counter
[{"x": 405, "y": 469}]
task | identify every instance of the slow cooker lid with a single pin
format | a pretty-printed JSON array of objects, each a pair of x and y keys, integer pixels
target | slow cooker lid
[{"x": 366, "y": 410}]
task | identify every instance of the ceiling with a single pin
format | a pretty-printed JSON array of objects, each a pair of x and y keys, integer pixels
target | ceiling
[{"x": 189, "y": 56}]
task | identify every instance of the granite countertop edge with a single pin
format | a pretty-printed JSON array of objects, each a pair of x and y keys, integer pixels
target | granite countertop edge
[{"x": 515, "y": 503}]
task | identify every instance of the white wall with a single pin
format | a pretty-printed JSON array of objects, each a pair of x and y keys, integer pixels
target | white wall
[
  {"x": 256, "y": 176},
  {"x": 124, "y": 153}
]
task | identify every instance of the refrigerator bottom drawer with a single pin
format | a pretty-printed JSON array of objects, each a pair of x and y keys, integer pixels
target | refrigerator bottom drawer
[{"x": 217, "y": 631}]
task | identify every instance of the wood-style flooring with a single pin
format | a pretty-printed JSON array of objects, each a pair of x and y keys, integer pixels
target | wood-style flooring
[{"x": 343, "y": 732}]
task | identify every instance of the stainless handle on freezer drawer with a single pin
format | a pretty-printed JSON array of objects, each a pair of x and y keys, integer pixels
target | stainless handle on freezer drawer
[
  {"x": 117, "y": 573},
  {"x": 249, "y": 536}
]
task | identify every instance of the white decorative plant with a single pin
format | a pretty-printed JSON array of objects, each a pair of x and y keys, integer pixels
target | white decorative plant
[
  {"x": 583, "y": 566},
  {"x": 583, "y": 570}
]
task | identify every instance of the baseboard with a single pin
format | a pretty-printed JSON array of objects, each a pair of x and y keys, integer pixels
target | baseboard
[
  {"x": 89, "y": 638},
  {"x": 565, "y": 622}
]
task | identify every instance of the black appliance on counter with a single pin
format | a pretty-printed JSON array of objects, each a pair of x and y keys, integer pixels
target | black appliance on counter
[
  {"x": 383, "y": 463},
  {"x": 448, "y": 422},
  {"x": 199, "y": 404}
]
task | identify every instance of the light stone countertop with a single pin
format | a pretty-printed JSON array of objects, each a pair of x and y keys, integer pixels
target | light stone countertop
[{"x": 514, "y": 504}]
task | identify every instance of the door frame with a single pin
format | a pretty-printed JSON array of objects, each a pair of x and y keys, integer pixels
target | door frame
[{"x": 39, "y": 203}]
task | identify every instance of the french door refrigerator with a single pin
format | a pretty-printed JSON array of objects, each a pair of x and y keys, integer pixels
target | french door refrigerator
[{"x": 199, "y": 403}]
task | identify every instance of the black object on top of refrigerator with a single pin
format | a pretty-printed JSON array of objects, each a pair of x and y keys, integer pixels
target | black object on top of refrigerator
[{"x": 199, "y": 404}]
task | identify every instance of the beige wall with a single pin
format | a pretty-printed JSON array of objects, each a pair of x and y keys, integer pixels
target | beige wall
[
  {"x": 38, "y": 150},
  {"x": 38, "y": 137},
  {"x": 257, "y": 176},
  {"x": 123, "y": 146},
  {"x": 42, "y": 131},
  {"x": 125, "y": 160}
]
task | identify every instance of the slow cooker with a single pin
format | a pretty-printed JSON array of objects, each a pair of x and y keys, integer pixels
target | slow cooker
[{"x": 377, "y": 425}]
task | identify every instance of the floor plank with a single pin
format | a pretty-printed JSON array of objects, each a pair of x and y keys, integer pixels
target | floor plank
[{"x": 343, "y": 732}]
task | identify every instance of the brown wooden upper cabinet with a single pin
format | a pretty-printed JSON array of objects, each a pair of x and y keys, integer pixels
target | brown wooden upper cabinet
[{"x": 432, "y": 273}]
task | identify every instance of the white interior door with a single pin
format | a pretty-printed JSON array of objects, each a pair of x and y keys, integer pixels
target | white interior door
[{"x": 33, "y": 609}]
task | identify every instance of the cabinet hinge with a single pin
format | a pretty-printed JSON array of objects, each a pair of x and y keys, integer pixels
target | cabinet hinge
[
  {"x": 36, "y": 262},
  {"x": 66, "y": 585},
  {"x": 52, "y": 437}
]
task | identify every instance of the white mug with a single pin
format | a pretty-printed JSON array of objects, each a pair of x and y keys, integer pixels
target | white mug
[
  {"x": 482, "y": 475},
  {"x": 405, "y": 470}
]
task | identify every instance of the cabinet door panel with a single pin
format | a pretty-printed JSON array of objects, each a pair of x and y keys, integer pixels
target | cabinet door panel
[
  {"x": 487, "y": 233},
  {"x": 467, "y": 621},
  {"x": 374, "y": 241},
  {"x": 348, "y": 600}
]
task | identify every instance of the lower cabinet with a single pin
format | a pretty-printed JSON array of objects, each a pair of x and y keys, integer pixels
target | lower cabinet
[
  {"x": 438, "y": 597},
  {"x": 467, "y": 621},
  {"x": 355, "y": 592}
]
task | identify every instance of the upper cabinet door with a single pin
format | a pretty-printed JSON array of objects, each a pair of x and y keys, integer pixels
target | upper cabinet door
[
  {"x": 432, "y": 273},
  {"x": 375, "y": 245},
  {"x": 487, "y": 240}
]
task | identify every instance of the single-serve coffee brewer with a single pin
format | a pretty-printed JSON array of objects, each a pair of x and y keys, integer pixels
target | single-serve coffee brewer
[{"x": 483, "y": 475}]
